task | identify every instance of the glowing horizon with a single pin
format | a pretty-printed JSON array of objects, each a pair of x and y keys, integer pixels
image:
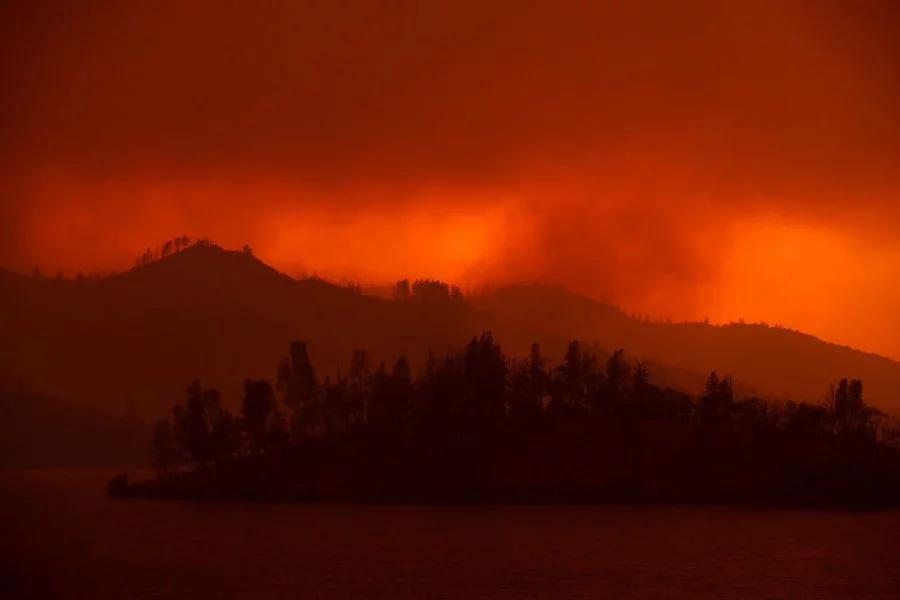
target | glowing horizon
[{"x": 730, "y": 161}]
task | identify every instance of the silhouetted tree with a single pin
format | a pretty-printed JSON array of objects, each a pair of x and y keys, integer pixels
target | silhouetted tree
[
  {"x": 257, "y": 406},
  {"x": 430, "y": 289},
  {"x": 297, "y": 380},
  {"x": 528, "y": 385},
  {"x": 485, "y": 375},
  {"x": 359, "y": 388},
  {"x": 848, "y": 404},
  {"x": 475, "y": 403},
  {"x": 224, "y": 437},
  {"x": 401, "y": 290},
  {"x": 336, "y": 406},
  {"x": 855, "y": 404},
  {"x": 401, "y": 401},
  {"x": 617, "y": 374},
  {"x": 807, "y": 420},
  {"x": 755, "y": 413},
  {"x": 538, "y": 371},
  {"x": 641, "y": 379},
  {"x": 851, "y": 414},
  {"x": 442, "y": 388},
  {"x": 717, "y": 403},
  {"x": 572, "y": 390},
  {"x": 247, "y": 250},
  {"x": 191, "y": 419}
]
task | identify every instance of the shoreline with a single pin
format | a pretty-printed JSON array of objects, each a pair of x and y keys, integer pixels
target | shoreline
[{"x": 608, "y": 496}]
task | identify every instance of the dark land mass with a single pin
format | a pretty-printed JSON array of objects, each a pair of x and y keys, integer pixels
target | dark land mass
[
  {"x": 221, "y": 315},
  {"x": 479, "y": 427},
  {"x": 674, "y": 466},
  {"x": 454, "y": 418}
]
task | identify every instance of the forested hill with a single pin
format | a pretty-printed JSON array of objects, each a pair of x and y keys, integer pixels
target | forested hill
[
  {"x": 780, "y": 362},
  {"x": 220, "y": 316}
]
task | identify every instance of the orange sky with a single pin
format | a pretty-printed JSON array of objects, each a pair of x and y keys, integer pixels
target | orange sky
[{"x": 711, "y": 158}]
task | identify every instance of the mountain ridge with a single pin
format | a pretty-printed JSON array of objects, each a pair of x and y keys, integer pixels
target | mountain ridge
[{"x": 222, "y": 315}]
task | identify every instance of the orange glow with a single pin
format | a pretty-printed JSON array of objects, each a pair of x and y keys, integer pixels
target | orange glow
[
  {"x": 421, "y": 241},
  {"x": 730, "y": 159},
  {"x": 812, "y": 278},
  {"x": 355, "y": 233},
  {"x": 805, "y": 276}
]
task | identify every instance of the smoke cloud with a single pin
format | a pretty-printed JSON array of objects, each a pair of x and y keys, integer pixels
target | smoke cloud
[{"x": 729, "y": 159}]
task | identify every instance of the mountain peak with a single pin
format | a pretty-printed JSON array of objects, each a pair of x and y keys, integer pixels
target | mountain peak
[
  {"x": 205, "y": 262},
  {"x": 222, "y": 315}
]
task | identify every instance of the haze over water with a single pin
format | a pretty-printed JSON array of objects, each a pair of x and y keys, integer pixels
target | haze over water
[{"x": 61, "y": 539}]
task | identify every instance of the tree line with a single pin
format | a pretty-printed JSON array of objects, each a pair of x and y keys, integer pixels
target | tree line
[
  {"x": 172, "y": 246},
  {"x": 426, "y": 289},
  {"x": 476, "y": 391}
]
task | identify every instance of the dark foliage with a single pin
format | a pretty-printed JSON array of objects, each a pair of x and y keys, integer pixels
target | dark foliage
[
  {"x": 228, "y": 316},
  {"x": 475, "y": 425}
]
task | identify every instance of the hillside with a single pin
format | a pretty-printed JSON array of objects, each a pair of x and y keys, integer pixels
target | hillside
[
  {"x": 773, "y": 361},
  {"x": 205, "y": 313},
  {"x": 221, "y": 316},
  {"x": 40, "y": 431}
]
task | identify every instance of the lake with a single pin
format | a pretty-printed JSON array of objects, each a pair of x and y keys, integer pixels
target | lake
[{"x": 61, "y": 538}]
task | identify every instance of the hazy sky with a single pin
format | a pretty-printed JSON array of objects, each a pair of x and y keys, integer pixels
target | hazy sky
[{"x": 730, "y": 159}]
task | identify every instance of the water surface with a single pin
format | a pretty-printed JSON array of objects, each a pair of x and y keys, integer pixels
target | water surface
[{"x": 62, "y": 539}]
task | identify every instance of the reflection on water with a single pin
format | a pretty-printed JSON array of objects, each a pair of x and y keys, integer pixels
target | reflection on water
[{"x": 62, "y": 539}]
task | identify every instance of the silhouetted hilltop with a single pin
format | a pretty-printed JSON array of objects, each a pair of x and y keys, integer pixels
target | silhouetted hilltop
[
  {"x": 221, "y": 315},
  {"x": 40, "y": 431},
  {"x": 202, "y": 312}
]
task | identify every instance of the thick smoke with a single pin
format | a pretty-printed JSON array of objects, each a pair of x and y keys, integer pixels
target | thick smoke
[{"x": 623, "y": 149}]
